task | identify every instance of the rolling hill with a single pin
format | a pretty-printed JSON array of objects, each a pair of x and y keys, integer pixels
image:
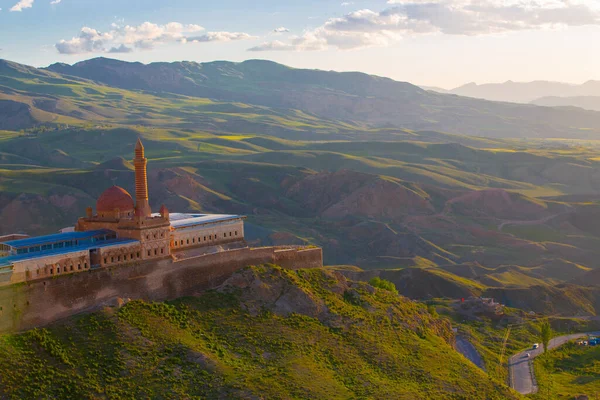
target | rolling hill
[{"x": 267, "y": 332}]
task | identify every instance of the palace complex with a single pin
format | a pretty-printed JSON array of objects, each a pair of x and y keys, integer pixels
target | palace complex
[{"x": 120, "y": 232}]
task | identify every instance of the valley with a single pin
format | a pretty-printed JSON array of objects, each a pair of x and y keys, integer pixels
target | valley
[{"x": 446, "y": 197}]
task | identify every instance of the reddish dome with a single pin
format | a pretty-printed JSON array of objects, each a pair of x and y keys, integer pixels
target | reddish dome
[{"x": 114, "y": 197}]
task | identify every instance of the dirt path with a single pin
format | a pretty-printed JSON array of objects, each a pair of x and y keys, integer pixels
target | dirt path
[{"x": 464, "y": 347}]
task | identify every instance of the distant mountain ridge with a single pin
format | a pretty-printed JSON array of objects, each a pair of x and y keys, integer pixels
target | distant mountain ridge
[
  {"x": 526, "y": 92},
  {"x": 585, "y": 102},
  {"x": 346, "y": 96}
]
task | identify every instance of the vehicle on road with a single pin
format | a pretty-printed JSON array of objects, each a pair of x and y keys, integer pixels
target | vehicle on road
[
  {"x": 536, "y": 345},
  {"x": 528, "y": 355}
]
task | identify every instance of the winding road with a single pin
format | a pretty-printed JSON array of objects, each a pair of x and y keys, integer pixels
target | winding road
[{"x": 520, "y": 367}]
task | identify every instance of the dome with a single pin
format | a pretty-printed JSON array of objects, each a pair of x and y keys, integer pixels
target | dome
[{"x": 114, "y": 197}]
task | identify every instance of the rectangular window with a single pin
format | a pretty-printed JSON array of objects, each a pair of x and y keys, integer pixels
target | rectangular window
[
  {"x": 131, "y": 256},
  {"x": 188, "y": 241},
  {"x": 138, "y": 254},
  {"x": 119, "y": 258},
  {"x": 71, "y": 267},
  {"x": 205, "y": 238},
  {"x": 149, "y": 253},
  {"x": 162, "y": 250},
  {"x": 182, "y": 242},
  {"x": 193, "y": 240},
  {"x": 112, "y": 259},
  {"x": 79, "y": 266},
  {"x": 104, "y": 260},
  {"x": 85, "y": 265},
  {"x": 155, "y": 251}
]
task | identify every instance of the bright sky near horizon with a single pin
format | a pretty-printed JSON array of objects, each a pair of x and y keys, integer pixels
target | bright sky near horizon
[{"x": 442, "y": 43}]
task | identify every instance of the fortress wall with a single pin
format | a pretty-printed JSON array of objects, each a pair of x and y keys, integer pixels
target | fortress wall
[{"x": 28, "y": 305}]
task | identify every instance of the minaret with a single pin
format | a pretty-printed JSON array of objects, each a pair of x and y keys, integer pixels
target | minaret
[{"x": 142, "y": 206}]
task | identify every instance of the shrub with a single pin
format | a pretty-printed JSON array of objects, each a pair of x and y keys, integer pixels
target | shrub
[{"x": 383, "y": 284}]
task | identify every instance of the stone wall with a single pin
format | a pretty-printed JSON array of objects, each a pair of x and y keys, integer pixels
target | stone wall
[{"x": 28, "y": 305}]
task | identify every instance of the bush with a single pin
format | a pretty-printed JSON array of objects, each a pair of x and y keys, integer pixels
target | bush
[{"x": 383, "y": 284}]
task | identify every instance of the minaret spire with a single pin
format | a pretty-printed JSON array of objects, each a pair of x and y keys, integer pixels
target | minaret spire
[{"x": 142, "y": 206}]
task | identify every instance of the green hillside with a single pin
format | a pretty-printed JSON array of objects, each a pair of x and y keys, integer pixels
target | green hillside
[
  {"x": 306, "y": 334},
  {"x": 348, "y": 96}
]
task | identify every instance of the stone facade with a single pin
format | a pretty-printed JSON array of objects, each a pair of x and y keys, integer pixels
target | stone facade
[{"x": 41, "y": 302}]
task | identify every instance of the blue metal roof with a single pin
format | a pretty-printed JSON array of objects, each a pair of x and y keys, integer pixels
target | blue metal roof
[
  {"x": 5, "y": 261},
  {"x": 58, "y": 237}
]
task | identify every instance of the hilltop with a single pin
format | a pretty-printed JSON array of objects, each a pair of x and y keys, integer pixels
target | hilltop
[
  {"x": 267, "y": 332},
  {"x": 354, "y": 98}
]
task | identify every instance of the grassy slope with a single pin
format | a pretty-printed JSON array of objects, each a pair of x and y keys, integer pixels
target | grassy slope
[
  {"x": 569, "y": 371},
  {"x": 379, "y": 346}
]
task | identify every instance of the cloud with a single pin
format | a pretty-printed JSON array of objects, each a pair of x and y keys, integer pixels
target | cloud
[
  {"x": 128, "y": 38},
  {"x": 121, "y": 49},
  {"x": 21, "y": 5},
  {"x": 367, "y": 28},
  {"x": 281, "y": 30},
  {"x": 55, "y": 1},
  {"x": 220, "y": 37}
]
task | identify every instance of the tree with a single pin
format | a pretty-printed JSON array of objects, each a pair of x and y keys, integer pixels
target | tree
[{"x": 545, "y": 334}]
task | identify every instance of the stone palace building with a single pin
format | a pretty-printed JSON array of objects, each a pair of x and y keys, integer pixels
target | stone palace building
[{"x": 120, "y": 232}]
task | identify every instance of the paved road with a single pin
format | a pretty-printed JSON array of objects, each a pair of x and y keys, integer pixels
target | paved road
[
  {"x": 465, "y": 348},
  {"x": 521, "y": 367}
]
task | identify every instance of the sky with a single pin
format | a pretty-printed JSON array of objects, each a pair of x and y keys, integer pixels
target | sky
[{"x": 444, "y": 43}]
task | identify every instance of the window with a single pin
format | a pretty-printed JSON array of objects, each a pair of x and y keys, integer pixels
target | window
[
  {"x": 112, "y": 259},
  {"x": 193, "y": 240},
  {"x": 155, "y": 251},
  {"x": 104, "y": 260},
  {"x": 147, "y": 236},
  {"x": 149, "y": 253},
  {"x": 188, "y": 241},
  {"x": 119, "y": 258},
  {"x": 138, "y": 254},
  {"x": 51, "y": 271},
  {"x": 79, "y": 266},
  {"x": 155, "y": 236},
  {"x": 71, "y": 267},
  {"x": 58, "y": 270},
  {"x": 85, "y": 266},
  {"x": 235, "y": 233},
  {"x": 131, "y": 256},
  {"x": 205, "y": 238},
  {"x": 225, "y": 235},
  {"x": 229, "y": 234},
  {"x": 162, "y": 250},
  {"x": 182, "y": 242}
]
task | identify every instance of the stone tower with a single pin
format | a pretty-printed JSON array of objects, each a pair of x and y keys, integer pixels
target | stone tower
[{"x": 142, "y": 206}]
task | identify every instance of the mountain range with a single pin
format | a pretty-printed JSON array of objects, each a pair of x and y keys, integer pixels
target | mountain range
[
  {"x": 356, "y": 98},
  {"x": 542, "y": 93}
]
